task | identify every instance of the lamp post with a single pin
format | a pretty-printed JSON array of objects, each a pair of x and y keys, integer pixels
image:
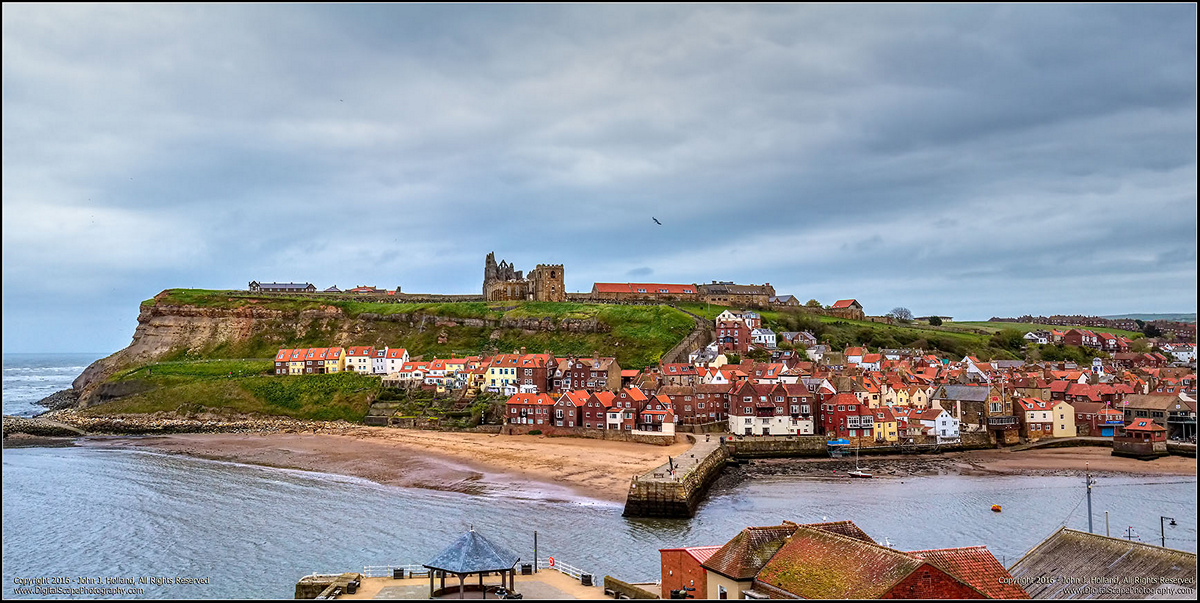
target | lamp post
[{"x": 1162, "y": 529}]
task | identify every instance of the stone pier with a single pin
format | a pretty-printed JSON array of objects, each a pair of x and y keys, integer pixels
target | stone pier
[{"x": 675, "y": 489}]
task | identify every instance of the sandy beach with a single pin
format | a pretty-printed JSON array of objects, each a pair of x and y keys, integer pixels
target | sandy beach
[
  {"x": 466, "y": 462},
  {"x": 547, "y": 467}
]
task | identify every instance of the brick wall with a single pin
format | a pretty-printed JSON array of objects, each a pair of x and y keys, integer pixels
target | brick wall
[
  {"x": 929, "y": 582},
  {"x": 679, "y": 570}
]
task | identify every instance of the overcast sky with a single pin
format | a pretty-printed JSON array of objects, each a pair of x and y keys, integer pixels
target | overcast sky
[{"x": 966, "y": 160}]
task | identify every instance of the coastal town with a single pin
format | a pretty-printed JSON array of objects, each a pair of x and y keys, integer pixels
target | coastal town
[
  {"x": 747, "y": 380},
  {"x": 737, "y": 388}
]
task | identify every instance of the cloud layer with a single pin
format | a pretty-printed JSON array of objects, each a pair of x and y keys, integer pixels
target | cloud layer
[{"x": 963, "y": 160}]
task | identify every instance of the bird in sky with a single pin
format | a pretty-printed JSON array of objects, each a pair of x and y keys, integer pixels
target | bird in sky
[{"x": 656, "y": 220}]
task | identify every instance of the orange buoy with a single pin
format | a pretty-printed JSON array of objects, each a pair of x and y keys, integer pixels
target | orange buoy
[
  {"x": 551, "y": 562},
  {"x": 996, "y": 508}
]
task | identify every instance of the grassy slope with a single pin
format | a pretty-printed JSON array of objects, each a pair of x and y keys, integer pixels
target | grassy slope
[
  {"x": 992, "y": 327},
  {"x": 207, "y": 380},
  {"x": 949, "y": 340},
  {"x": 639, "y": 336}
]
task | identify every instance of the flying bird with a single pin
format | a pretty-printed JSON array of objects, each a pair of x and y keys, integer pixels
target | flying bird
[{"x": 656, "y": 220}]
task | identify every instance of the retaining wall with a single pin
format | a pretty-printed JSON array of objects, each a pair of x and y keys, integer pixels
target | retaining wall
[
  {"x": 593, "y": 434},
  {"x": 675, "y": 497}
]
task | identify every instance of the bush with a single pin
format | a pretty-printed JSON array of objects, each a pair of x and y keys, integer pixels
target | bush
[
  {"x": 934, "y": 321},
  {"x": 535, "y": 432}
]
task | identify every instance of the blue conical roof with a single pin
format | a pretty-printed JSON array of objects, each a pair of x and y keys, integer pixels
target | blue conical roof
[{"x": 473, "y": 553}]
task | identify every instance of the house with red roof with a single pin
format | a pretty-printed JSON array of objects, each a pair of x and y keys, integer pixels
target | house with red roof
[
  {"x": 359, "y": 359},
  {"x": 644, "y": 291},
  {"x": 657, "y": 416},
  {"x": 529, "y": 409},
  {"x": 847, "y": 308},
  {"x": 568, "y": 409},
  {"x": 682, "y": 570},
  {"x": 1143, "y": 438}
]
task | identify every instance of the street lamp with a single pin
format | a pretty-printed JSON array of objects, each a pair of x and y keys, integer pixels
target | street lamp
[{"x": 1162, "y": 529}]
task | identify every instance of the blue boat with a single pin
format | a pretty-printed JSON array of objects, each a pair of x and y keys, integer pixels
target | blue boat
[{"x": 838, "y": 448}]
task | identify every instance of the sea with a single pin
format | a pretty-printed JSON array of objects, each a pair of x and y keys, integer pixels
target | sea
[{"x": 241, "y": 531}]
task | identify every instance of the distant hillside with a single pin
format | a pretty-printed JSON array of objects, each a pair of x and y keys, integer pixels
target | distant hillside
[{"x": 1181, "y": 317}]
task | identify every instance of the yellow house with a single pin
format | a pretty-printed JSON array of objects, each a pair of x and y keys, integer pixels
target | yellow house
[
  {"x": 1063, "y": 416},
  {"x": 885, "y": 425},
  {"x": 502, "y": 371},
  {"x": 335, "y": 360},
  {"x": 296, "y": 361},
  {"x": 918, "y": 397},
  {"x": 895, "y": 396}
]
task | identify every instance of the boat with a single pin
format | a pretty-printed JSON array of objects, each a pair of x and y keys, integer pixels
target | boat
[
  {"x": 996, "y": 508},
  {"x": 858, "y": 472},
  {"x": 838, "y": 448}
]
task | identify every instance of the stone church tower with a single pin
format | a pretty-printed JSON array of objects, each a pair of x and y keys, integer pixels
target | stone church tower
[{"x": 546, "y": 283}]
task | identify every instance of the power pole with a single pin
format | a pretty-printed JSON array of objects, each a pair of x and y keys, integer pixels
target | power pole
[{"x": 1089, "y": 482}]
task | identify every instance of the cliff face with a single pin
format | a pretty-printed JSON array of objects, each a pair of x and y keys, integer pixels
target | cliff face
[
  {"x": 169, "y": 330},
  {"x": 175, "y": 331}
]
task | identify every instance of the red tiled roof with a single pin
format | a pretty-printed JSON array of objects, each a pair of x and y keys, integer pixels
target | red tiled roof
[
  {"x": 816, "y": 564},
  {"x": 976, "y": 566},
  {"x": 743, "y": 556},
  {"x": 844, "y": 303},
  {"x": 647, "y": 287}
]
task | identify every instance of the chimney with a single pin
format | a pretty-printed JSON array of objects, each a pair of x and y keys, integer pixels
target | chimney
[
  {"x": 596, "y": 356},
  {"x": 522, "y": 350}
]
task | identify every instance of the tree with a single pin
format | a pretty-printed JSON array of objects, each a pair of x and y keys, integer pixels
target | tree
[
  {"x": 812, "y": 303},
  {"x": 1008, "y": 339},
  {"x": 935, "y": 321},
  {"x": 901, "y": 314},
  {"x": 758, "y": 354},
  {"x": 733, "y": 358},
  {"x": 1151, "y": 331}
]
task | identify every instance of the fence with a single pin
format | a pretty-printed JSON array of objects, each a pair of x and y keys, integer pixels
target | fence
[
  {"x": 383, "y": 571},
  {"x": 570, "y": 570}
]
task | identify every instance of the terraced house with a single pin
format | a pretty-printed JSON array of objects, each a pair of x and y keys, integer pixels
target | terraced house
[{"x": 310, "y": 361}]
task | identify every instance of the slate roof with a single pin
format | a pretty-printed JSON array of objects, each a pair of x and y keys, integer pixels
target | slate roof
[
  {"x": 976, "y": 566},
  {"x": 1070, "y": 552},
  {"x": 972, "y": 393},
  {"x": 473, "y": 553}
]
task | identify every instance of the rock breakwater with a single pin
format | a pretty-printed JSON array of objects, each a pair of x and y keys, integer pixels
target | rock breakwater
[{"x": 73, "y": 423}]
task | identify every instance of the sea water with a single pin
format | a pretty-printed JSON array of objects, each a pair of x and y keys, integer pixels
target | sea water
[{"x": 238, "y": 531}]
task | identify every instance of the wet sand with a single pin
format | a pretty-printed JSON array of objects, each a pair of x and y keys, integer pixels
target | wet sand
[
  {"x": 535, "y": 466},
  {"x": 545, "y": 467},
  {"x": 1046, "y": 461}
]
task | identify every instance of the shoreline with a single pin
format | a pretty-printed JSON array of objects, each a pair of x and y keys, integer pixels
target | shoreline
[
  {"x": 562, "y": 468},
  {"x": 520, "y": 466}
]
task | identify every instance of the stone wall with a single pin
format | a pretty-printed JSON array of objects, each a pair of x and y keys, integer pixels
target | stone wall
[
  {"x": 757, "y": 447},
  {"x": 714, "y": 427},
  {"x": 612, "y": 435},
  {"x": 620, "y": 587},
  {"x": 674, "y": 497}
]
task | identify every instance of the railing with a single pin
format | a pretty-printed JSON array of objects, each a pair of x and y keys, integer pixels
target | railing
[
  {"x": 570, "y": 570},
  {"x": 383, "y": 571}
]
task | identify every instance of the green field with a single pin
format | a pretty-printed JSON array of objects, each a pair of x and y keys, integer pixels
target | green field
[
  {"x": 180, "y": 390},
  {"x": 992, "y": 327}
]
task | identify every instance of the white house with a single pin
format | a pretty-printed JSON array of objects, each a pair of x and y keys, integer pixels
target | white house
[
  {"x": 394, "y": 359},
  {"x": 1184, "y": 352},
  {"x": 817, "y": 352},
  {"x": 941, "y": 423},
  {"x": 379, "y": 361},
  {"x": 359, "y": 359},
  {"x": 743, "y": 420},
  {"x": 763, "y": 337},
  {"x": 1038, "y": 337}
]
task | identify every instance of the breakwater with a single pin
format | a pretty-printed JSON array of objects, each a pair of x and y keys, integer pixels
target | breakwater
[{"x": 676, "y": 488}]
